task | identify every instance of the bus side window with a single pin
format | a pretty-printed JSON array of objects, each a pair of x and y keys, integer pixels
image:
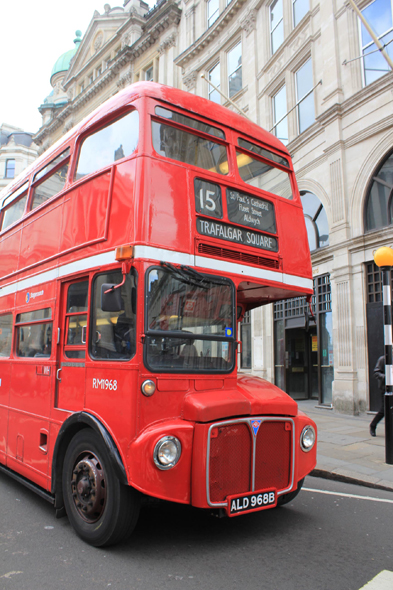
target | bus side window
[
  {"x": 5, "y": 335},
  {"x": 54, "y": 177},
  {"x": 113, "y": 332},
  {"x": 14, "y": 206},
  {"x": 117, "y": 140},
  {"x": 34, "y": 333}
]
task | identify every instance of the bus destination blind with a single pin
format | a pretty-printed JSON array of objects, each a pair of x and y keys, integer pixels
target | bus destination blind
[{"x": 243, "y": 209}]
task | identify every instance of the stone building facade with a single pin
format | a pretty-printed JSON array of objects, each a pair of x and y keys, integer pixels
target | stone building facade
[
  {"x": 308, "y": 71},
  {"x": 17, "y": 151}
]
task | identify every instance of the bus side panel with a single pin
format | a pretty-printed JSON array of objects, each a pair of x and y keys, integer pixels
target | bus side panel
[
  {"x": 110, "y": 396},
  {"x": 167, "y": 205},
  {"x": 28, "y": 422},
  {"x": 124, "y": 206},
  {"x": 293, "y": 241},
  {"x": 5, "y": 382},
  {"x": 88, "y": 201},
  {"x": 40, "y": 239},
  {"x": 9, "y": 251}
]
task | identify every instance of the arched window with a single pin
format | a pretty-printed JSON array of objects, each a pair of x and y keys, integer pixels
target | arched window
[
  {"x": 378, "y": 209},
  {"x": 316, "y": 221}
]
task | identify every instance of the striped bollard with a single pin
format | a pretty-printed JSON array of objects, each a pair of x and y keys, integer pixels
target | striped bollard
[{"x": 383, "y": 258}]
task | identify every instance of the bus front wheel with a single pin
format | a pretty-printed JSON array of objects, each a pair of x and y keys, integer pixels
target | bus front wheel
[{"x": 102, "y": 511}]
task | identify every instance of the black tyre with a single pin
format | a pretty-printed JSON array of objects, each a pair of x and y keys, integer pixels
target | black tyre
[
  {"x": 289, "y": 497},
  {"x": 101, "y": 510}
]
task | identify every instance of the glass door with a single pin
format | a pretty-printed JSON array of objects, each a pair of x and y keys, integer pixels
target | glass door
[{"x": 296, "y": 363}]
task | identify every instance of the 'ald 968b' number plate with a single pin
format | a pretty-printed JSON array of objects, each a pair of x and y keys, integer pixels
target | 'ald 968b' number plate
[{"x": 251, "y": 502}]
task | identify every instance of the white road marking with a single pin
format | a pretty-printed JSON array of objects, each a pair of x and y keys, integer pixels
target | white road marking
[
  {"x": 370, "y": 498},
  {"x": 383, "y": 581}
]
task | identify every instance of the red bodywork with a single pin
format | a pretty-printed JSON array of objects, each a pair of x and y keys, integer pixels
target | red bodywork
[{"x": 148, "y": 201}]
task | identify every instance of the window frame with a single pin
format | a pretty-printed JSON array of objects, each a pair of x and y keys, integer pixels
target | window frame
[
  {"x": 20, "y": 193},
  {"x": 299, "y": 100},
  {"x": 103, "y": 124},
  {"x": 191, "y": 335},
  {"x": 23, "y": 323},
  {"x": 371, "y": 43},
  {"x": 273, "y": 30},
  {"x": 41, "y": 176},
  {"x": 240, "y": 66},
  {"x": 7, "y": 169}
]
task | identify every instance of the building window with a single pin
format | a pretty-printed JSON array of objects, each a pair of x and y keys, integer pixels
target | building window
[
  {"x": 304, "y": 96},
  {"x": 300, "y": 9},
  {"x": 213, "y": 11},
  {"x": 98, "y": 72},
  {"x": 280, "y": 128},
  {"x": 235, "y": 70},
  {"x": 148, "y": 74},
  {"x": 245, "y": 337},
  {"x": 214, "y": 77},
  {"x": 316, "y": 221},
  {"x": 276, "y": 25},
  {"x": 379, "y": 16},
  {"x": 10, "y": 168},
  {"x": 91, "y": 79},
  {"x": 379, "y": 206}
]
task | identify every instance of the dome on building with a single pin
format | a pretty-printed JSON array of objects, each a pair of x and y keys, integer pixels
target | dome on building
[{"x": 63, "y": 62}]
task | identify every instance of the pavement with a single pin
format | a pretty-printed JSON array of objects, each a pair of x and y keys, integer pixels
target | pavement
[{"x": 346, "y": 451}]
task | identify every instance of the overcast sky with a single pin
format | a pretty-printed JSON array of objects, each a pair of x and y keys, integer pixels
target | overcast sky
[{"x": 33, "y": 35}]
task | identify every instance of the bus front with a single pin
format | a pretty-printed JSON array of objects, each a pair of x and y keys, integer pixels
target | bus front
[{"x": 224, "y": 233}]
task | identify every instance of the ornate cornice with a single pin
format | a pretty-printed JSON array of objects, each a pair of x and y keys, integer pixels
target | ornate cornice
[
  {"x": 249, "y": 22},
  {"x": 167, "y": 43},
  {"x": 190, "y": 80}
]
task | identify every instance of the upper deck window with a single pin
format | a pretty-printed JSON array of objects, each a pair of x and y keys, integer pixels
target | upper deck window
[
  {"x": 263, "y": 174},
  {"x": 113, "y": 142},
  {"x": 189, "y": 148},
  {"x": 52, "y": 184},
  {"x": 15, "y": 210},
  {"x": 189, "y": 122}
]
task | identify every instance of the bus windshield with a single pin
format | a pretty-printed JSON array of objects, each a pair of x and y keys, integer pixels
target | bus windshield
[{"x": 190, "y": 322}]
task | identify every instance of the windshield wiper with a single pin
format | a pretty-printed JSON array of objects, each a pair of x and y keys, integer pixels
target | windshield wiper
[
  {"x": 191, "y": 276},
  {"x": 182, "y": 275}
]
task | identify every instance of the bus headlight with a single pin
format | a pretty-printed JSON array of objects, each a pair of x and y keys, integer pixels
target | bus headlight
[
  {"x": 307, "y": 438},
  {"x": 167, "y": 452}
]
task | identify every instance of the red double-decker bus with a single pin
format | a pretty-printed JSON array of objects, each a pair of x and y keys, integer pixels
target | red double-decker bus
[{"x": 129, "y": 253}]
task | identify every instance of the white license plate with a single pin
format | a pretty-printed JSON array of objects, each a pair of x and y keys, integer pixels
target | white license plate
[{"x": 251, "y": 502}]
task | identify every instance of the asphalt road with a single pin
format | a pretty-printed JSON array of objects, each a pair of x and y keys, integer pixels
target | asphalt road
[{"x": 320, "y": 541}]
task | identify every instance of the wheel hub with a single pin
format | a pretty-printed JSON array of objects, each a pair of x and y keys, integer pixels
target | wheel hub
[{"x": 89, "y": 487}]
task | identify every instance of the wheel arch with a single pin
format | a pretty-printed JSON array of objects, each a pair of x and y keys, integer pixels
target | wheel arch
[{"x": 68, "y": 430}]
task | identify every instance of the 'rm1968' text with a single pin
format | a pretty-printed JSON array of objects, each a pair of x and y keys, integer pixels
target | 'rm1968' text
[{"x": 105, "y": 384}]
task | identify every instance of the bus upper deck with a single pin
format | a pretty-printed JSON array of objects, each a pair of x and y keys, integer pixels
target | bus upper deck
[{"x": 154, "y": 168}]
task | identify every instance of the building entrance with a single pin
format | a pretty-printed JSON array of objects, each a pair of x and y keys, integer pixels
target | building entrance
[
  {"x": 301, "y": 363},
  {"x": 303, "y": 345}
]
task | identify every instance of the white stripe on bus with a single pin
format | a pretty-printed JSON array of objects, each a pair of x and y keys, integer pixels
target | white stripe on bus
[{"x": 155, "y": 254}]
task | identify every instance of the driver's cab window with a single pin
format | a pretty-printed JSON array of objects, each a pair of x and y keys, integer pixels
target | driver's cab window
[{"x": 114, "y": 316}]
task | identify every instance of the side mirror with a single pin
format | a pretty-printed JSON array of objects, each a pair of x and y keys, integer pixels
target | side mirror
[{"x": 111, "y": 298}]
